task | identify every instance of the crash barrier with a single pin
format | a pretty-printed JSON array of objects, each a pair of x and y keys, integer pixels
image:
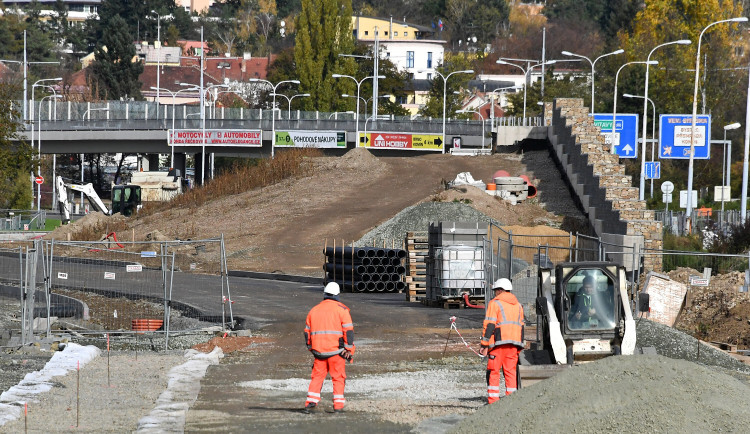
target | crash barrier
[
  {"x": 95, "y": 286},
  {"x": 360, "y": 269},
  {"x": 22, "y": 220}
]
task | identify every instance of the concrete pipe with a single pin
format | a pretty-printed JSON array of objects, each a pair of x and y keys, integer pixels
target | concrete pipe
[
  {"x": 380, "y": 286},
  {"x": 346, "y": 252},
  {"x": 370, "y": 286},
  {"x": 390, "y": 286},
  {"x": 380, "y": 269}
]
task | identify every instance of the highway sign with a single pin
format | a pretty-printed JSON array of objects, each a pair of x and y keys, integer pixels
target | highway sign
[
  {"x": 653, "y": 170},
  {"x": 626, "y": 132},
  {"x": 674, "y": 133},
  {"x": 667, "y": 187},
  {"x": 39, "y": 180},
  {"x": 683, "y": 198}
]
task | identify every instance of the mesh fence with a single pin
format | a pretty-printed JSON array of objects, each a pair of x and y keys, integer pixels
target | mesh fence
[{"x": 159, "y": 287}]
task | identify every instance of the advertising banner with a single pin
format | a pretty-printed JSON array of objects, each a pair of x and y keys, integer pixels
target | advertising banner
[
  {"x": 311, "y": 139},
  {"x": 421, "y": 142},
  {"x": 248, "y": 138}
]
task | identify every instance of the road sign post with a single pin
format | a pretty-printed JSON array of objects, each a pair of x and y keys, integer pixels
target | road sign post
[{"x": 625, "y": 137}]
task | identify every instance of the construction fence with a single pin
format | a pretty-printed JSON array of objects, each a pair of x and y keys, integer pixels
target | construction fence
[{"x": 126, "y": 288}]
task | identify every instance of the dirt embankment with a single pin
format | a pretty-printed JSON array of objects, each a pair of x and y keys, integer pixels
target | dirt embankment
[{"x": 283, "y": 227}]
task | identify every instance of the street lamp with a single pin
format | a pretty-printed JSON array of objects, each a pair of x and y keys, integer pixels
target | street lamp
[
  {"x": 158, "y": 60},
  {"x": 492, "y": 103},
  {"x": 289, "y": 101},
  {"x": 593, "y": 65},
  {"x": 525, "y": 78},
  {"x": 725, "y": 183},
  {"x": 273, "y": 107},
  {"x": 39, "y": 150},
  {"x": 86, "y": 113},
  {"x": 350, "y": 112},
  {"x": 445, "y": 95},
  {"x": 645, "y": 112},
  {"x": 174, "y": 97},
  {"x": 359, "y": 83},
  {"x": 33, "y": 87},
  {"x": 614, "y": 109},
  {"x": 480, "y": 115},
  {"x": 689, "y": 208},
  {"x": 653, "y": 136}
]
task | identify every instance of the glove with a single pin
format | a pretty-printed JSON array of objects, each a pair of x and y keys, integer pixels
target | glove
[{"x": 347, "y": 356}]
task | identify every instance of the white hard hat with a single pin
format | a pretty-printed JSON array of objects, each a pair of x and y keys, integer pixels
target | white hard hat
[
  {"x": 332, "y": 288},
  {"x": 503, "y": 283}
]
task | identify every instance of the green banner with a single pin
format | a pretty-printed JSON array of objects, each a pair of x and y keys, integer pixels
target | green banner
[{"x": 311, "y": 139}]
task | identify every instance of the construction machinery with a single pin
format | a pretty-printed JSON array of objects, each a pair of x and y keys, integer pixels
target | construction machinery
[
  {"x": 126, "y": 199},
  {"x": 584, "y": 312}
]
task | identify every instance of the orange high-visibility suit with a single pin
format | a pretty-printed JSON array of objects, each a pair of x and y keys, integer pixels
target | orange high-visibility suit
[
  {"x": 503, "y": 335},
  {"x": 328, "y": 332}
]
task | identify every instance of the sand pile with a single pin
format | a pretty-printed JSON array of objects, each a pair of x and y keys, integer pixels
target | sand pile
[{"x": 622, "y": 394}]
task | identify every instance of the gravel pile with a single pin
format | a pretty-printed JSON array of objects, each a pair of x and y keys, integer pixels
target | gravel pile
[
  {"x": 675, "y": 344},
  {"x": 622, "y": 394},
  {"x": 418, "y": 218}
]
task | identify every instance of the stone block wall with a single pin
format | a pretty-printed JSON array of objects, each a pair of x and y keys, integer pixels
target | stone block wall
[{"x": 615, "y": 207}]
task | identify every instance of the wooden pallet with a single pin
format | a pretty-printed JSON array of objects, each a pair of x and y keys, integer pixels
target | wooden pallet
[
  {"x": 417, "y": 254},
  {"x": 445, "y": 303}
]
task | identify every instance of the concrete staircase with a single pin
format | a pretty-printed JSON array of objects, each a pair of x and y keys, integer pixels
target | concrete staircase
[{"x": 598, "y": 179}]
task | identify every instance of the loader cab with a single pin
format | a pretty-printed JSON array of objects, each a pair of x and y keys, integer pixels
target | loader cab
[
  {"x": 589, "y": 300},
  {"x": 126, "y": 199}
]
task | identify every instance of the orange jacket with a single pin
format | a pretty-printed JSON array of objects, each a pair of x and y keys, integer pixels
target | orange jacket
[
  {"x": 503, "y": 322},
  {"x": 329, "y": 329}
]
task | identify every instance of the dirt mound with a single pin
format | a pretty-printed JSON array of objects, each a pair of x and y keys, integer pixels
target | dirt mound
[
  {"x": 91, "y": 220},
  {"x": 622, "y": 394},
  {"x": 358, "y": 160}
]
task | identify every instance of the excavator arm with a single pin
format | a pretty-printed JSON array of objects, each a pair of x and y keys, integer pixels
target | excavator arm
[{"x": 63, "y": 193}]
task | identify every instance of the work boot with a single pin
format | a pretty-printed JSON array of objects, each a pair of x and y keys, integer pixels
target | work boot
[
  {"x": 309, "y": 408},
  {"x": 338, "y": 410}
]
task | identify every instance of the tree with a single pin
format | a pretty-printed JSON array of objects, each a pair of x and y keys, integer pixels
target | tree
[
  {"x": 323, "y": 32},
  {"x": 115, "y": 70},
  {"x": 434, "y": 106},
  {"x": 16, "y": 157}
]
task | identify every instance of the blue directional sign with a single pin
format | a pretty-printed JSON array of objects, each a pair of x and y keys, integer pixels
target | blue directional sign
[
  {"x": 653, "y": 170},
  {"x": 626, "y": 132},
  {"x": 674, "y": 137}
]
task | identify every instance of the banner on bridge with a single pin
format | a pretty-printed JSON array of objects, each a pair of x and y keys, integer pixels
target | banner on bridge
[
  {"x": 229, "y": 137},
  {"x": 419, "y": 142},
  {"x": 311, "y": 139}
]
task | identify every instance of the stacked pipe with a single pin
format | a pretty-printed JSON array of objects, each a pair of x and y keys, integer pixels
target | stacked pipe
[{"x": 365, "y": 269}]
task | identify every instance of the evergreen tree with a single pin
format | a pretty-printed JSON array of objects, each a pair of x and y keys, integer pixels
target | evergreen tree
[
  {"x": 115, "y": 71},
  {"x": 323, "y": 32},
  {"x": 434, "y": 106},
  {"x": 16, "y": 157}
]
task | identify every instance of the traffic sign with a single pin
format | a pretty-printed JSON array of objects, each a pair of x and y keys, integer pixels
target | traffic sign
[
  {"x": 626, "y": 132},
  {"x": 667, "y": 187},
  {"x": 674, "y": 133},
  {"x": 39, "y": 180},
  {"x": 653, "y": 170}
]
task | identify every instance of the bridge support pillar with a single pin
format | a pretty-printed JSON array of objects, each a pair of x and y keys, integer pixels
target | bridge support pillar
[
  {"x": 198, "y": 166},
  {"x": 180, "y": 162},
  {"x": 150, "y": 162}
]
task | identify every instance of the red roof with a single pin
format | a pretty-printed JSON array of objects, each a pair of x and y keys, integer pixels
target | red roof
[
  {"x": 171, "y": 77},
  {"x": 232, "y": 68}
]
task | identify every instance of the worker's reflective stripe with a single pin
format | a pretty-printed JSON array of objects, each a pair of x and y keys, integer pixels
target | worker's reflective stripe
[
  {"x": 338, "y": 398},
  {"x": 347, "y": 325},
  {"x": 493, "y": 388},
  {"x": 312, "y": 399},
  {"x": 347, "y": 346},
  {"x": 313, "y": 394},
  {"x": 307, "y": 327},
  {"x": 327, "y": 332},
  {"x": 490, "y": 318},
  {"x": 494, "y": 395},
  {"x": 510, "y": 389},
  {"x": 329, "y": 353},
  {"x": 506, "y": 322}
]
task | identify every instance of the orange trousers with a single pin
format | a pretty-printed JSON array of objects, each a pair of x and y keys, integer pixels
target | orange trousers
[
  {"x": 336, "y": 366},
  {"x": 504, "y": 357}
]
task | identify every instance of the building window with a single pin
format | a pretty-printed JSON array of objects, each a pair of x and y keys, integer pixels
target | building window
[
  {"x": 366, "y": 32},
  {"x": 388, "y": 54},
  {"x": 410, "y": 59},
  {"x": 429, "y": 59},
  {"x": 429, "y": 76},
  {"x": 403, "y": 100},
  {"x": 411, "y": 76},
  {"x": 386, "y": 33}
]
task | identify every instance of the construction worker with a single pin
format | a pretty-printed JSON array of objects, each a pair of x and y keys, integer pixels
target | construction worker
[
  {"x": 502, "y": 339},
  {"x": 329, "y": 335}
]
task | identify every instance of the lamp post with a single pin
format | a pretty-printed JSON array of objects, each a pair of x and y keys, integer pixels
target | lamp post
[
  {"x": 350, "y": 112},
  {"x": 727, "y": 160},
  {"x": 289, "y": 101},
  {"x": 645, "y": 112},
  {"x": 273, "y": 107},
  {"x": 174, "y": 97},
  {"x": 445, "y": 95},
  {"x": 33, "y": 87},
  {"x": 359, "y": 83},
  {"x": 480, "y": 116},
  {"x": 653, "y": 132},
  {"x": 593, "y": 66},
  {"x": 39, "y": 150},
  {"x": 614, "y": 108},
  {"x": 86, "y": 113},
  {"x": 158, "y": 60},
  {"x": 525, "y": 78},
  {"x": 492, "y": 103},
  {"x": 689, "y": 208}
]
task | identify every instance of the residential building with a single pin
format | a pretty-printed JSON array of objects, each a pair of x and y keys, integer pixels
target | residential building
[{"x": 78, "y": 10}]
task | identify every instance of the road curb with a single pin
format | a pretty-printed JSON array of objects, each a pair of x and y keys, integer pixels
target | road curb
[{"x": 276, "y": 276}]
